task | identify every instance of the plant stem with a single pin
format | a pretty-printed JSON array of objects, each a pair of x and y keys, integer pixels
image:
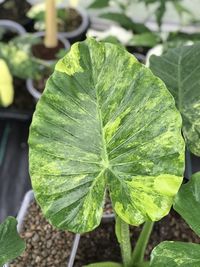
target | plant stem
[
  {"x": 51, "y": 39},
  {"x": 123, "y": 236},
  {"x": 139, "y": 251}
]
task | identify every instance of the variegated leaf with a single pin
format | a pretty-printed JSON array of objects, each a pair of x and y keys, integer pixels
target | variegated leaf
[
  {"x": 176, "y": 254},
  {"x": 11, "y": 245},
  {"x": 104, "y": 122},
  {"x": 179, "y": 68},
  {"x": 187, "y": 202}
]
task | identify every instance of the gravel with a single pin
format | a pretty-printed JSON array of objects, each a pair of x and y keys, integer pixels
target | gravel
[{"x": 45, "y": 246}]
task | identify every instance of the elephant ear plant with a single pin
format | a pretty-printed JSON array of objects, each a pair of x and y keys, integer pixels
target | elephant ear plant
[{"x": 106, "y": 123}]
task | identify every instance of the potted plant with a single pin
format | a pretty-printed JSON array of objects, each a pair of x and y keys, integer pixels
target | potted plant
[
  {"x": 137, "y": 163},
  {"x": 73, "y": 21},
  {"x": 22, "y": 65}
]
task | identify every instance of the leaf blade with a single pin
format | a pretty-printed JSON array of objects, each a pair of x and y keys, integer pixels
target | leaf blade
[
  {"x": 11, "y": 245},
  {"x": 99, "y": 147},
  {"x": 177, "y": 68},
  {"x": 175, "y": 254},
  {"x": 187, "y": 202}
]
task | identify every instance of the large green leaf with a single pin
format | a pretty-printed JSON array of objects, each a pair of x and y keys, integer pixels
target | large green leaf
[
  {"x": 176, "y": 254},
  {"x": 104, "y": 121},
  {"x": 187, "y": 202},
  {"x": 180, "y": 70},
  {"x": 11, "y": 245}
]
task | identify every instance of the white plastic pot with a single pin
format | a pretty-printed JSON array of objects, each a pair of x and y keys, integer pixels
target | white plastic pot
[
  {"x": 81, "y": 29},
  {"x": 29, "y": 197},
  {"x": 12, "y": 26},
  {"x": 29, "y": 82}
]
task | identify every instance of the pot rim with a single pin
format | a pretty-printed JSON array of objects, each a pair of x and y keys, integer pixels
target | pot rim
[
  {"x": 29, "y": 82},
  {"x": 12, "y": 25},
  {"x": 83, "y": 26}
]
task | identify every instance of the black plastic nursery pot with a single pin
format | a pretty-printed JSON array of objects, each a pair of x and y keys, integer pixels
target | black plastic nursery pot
[{"x": 14, "y": 175}]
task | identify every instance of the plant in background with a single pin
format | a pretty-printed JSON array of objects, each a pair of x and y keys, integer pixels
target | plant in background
[
  {"x": 37, "y": 13},
  {"x": 106, "y": 123},
  {"x": 161, "y": 8},
  {"x": 142, "y": 35},
  {"x": 120, "y": 16},
  {"x": 6, "y": 85},
  {"x": 11, "y": 245},
  {"x": 18, "y": 56}
]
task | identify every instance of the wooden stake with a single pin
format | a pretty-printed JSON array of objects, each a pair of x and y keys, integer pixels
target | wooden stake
[{"x": 51, "y": 39}]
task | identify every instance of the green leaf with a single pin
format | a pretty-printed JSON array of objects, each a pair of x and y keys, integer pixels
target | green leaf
[
  {"x": 104, "y": 264},
  {"x": 11, "y": 245},
  {"x": 104, "y": 121},
  {"x": 176, "y": 254},
  {"x": 147, "y": 39},
  {"x": 180, "y": 70},
  {"x": 99, "y": 4},
  {"x": 160, "y": 11},
  {"x": 187, "y": 202},
  {"x": 125, "y": 22}
]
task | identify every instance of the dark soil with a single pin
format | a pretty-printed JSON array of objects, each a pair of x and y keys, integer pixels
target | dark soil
[
  {"x": 138, "y": 49},
  {"x": 101, "y": 245},
  {"x": 23, "y": 101},
  {"x": 72, "y": 22},
  {"x": 14, "y": 10},
  {"x": 8, "y": 36},
  {"x": 42, "y": 52},
  {"x": 45, "y": 246}
]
